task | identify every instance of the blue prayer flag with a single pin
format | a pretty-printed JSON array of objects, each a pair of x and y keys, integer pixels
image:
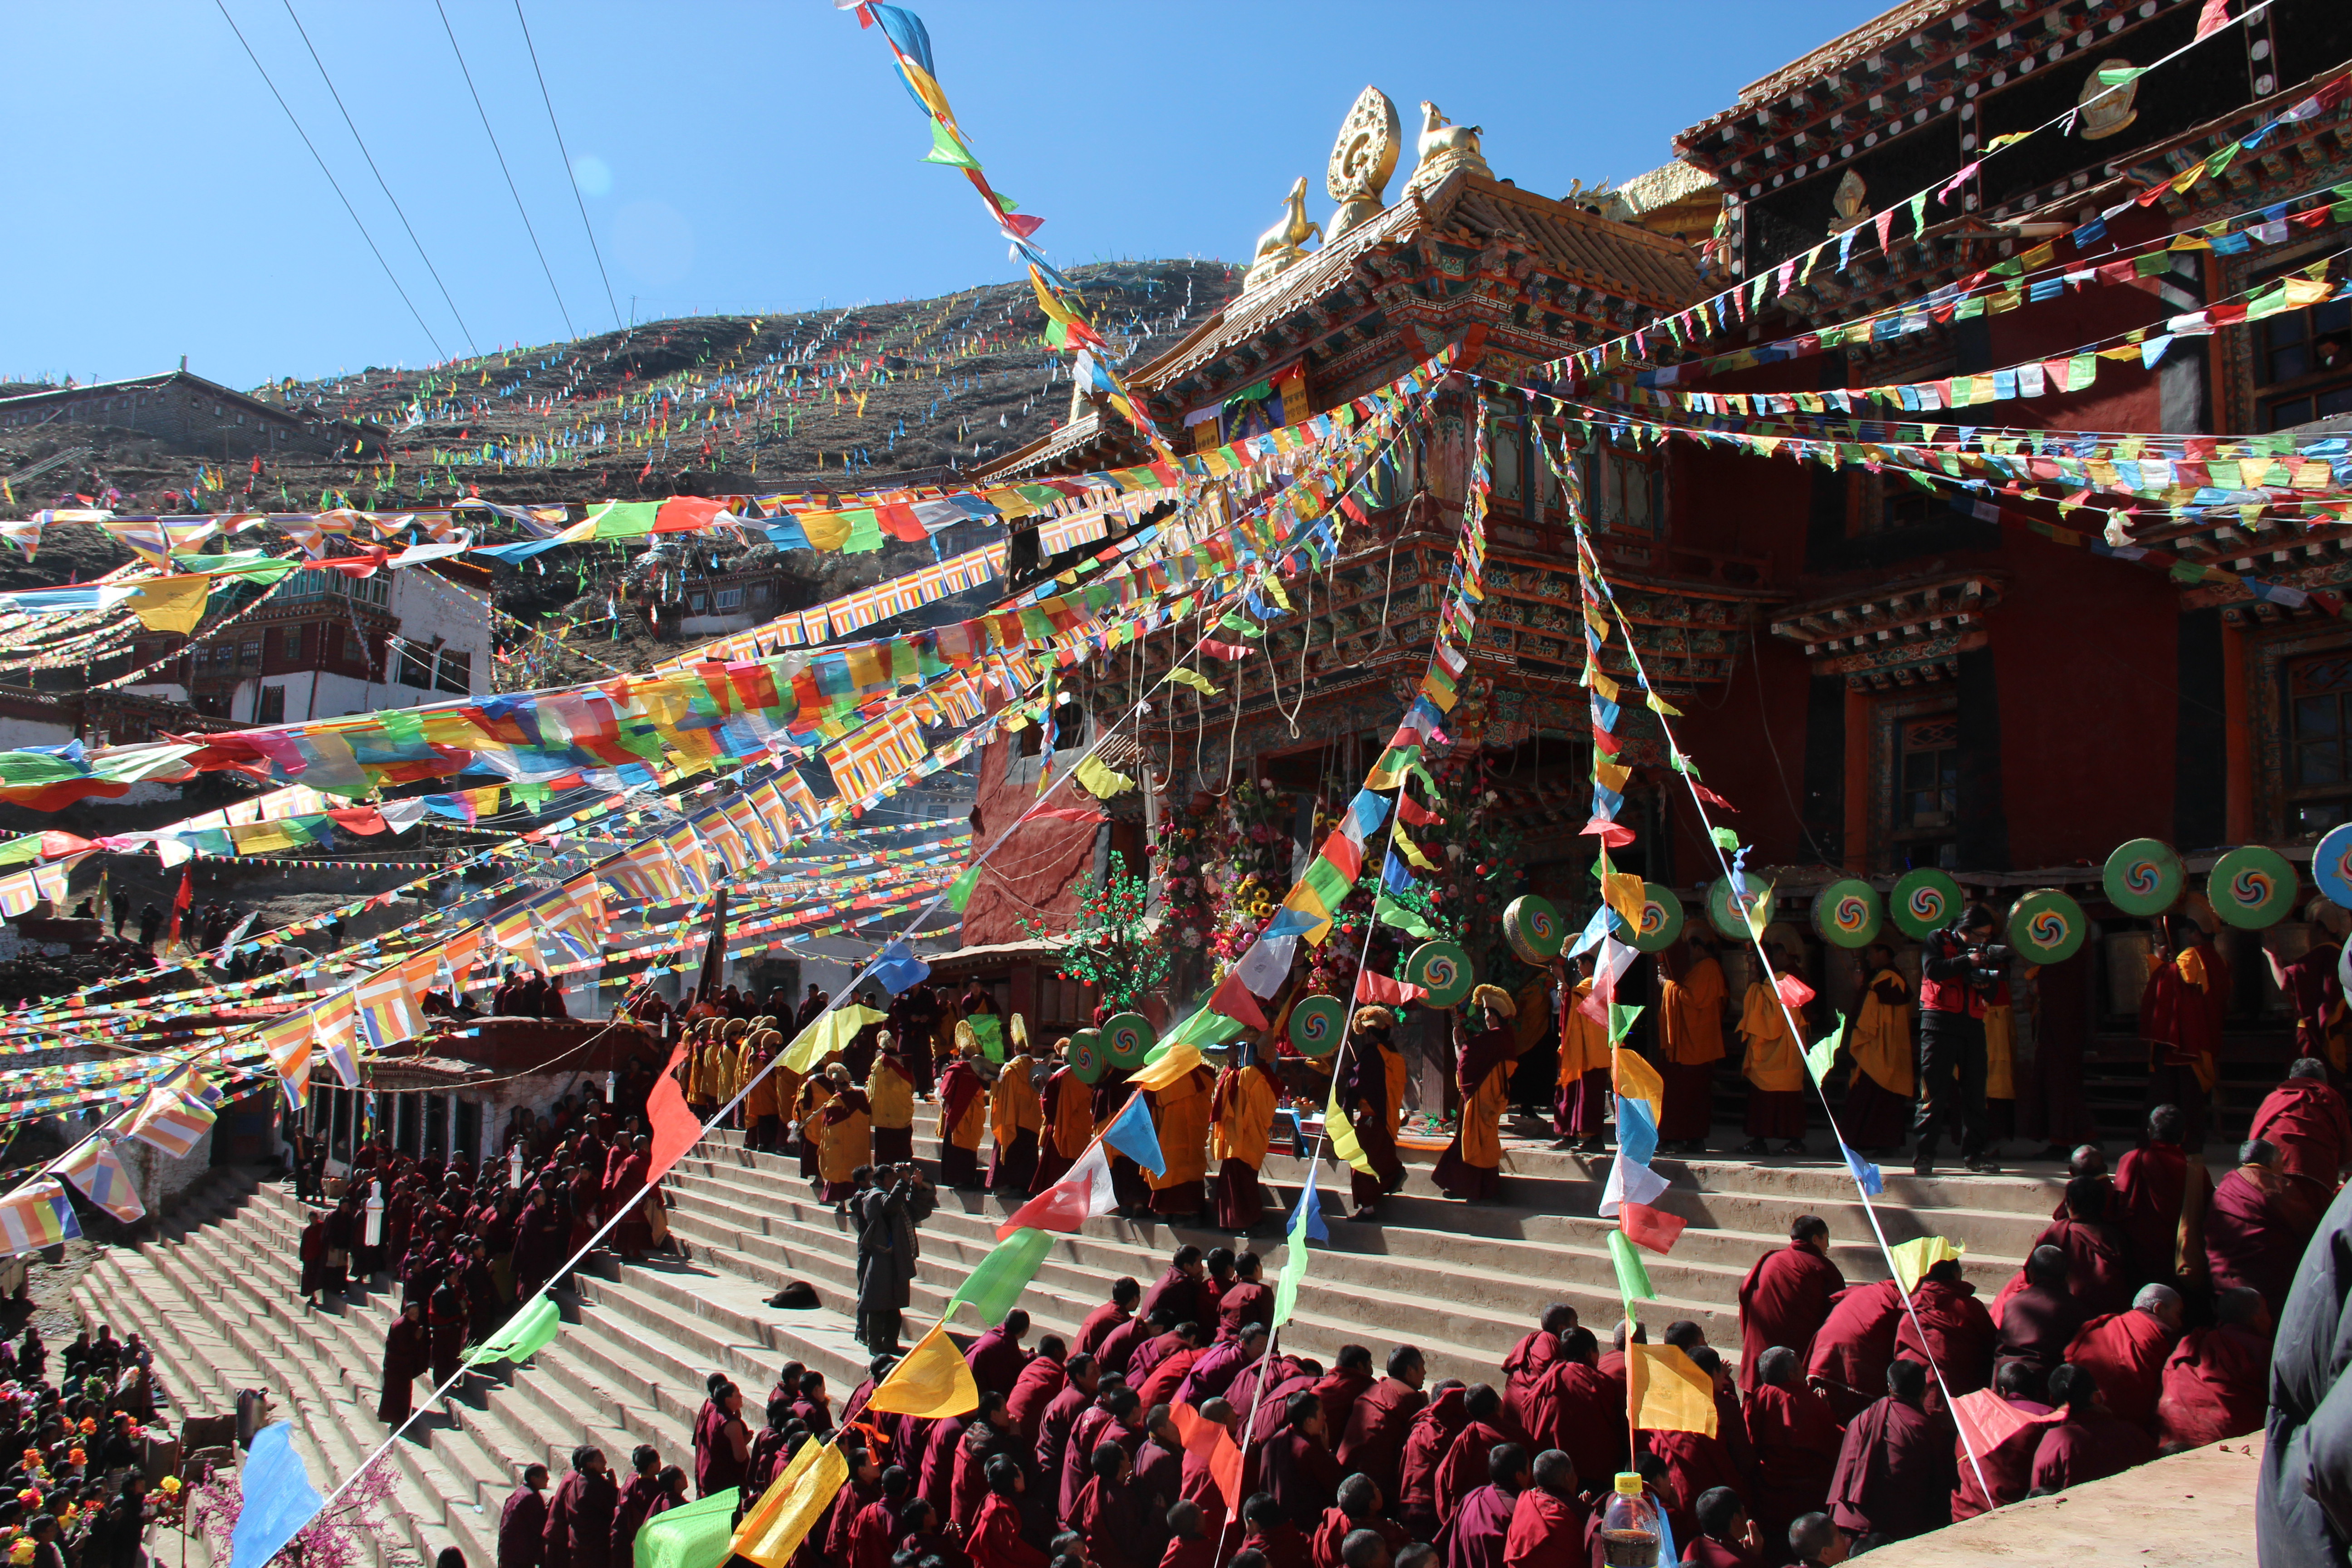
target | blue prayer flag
[
  {"x": 1637, "y": 1134},
  {"x": 1864, "y": 1172},
  {"x": 1131, "y": 1134},
  {"x": 278, "y": 1499}
]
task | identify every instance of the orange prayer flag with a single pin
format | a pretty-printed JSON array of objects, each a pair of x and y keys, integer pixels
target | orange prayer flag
[
  {"x": 1668, "y": 1391},
  {"x": 933, "y": 1381}
]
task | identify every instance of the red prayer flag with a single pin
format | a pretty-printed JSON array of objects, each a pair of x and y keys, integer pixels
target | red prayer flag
[
  {"x": 1614, "y": 835},
  {"x": 2213, "y": 18},
  {"x": 1418, "y": 815},
  {"x": 1645, "y": 1226},
  {"x": 1209, "y": 1438},
  {"x": 1793, "y": 991},
  {"x": 675, "y": 1126},
  {"x": 1373, "y": 987},
  {"x": 1709, "y": 797},
  {"x": 1233, "y": 1000}
]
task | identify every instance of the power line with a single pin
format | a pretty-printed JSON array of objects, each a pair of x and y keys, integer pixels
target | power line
[
  {"x": 493, "y": 135},
  {"x": 379, "y": 176},
  {"x": 438, "y": 353},
  {"x": 569, "y": 177}
]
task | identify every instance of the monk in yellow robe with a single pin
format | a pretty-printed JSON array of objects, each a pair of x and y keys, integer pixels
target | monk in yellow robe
[
  {"x": 1241, "y": 1112},
  {"x": 1876, "y": 1116},
  {"x": 1690, "y": 1010},
  {"x": 1774, "y": 1067},
  {"x": 1472, "y": 1166},
  {"x": 1066, "y": 1109},
  {"x": 705, "y": 1068},
  {"x": 890, "y": 1088},
  {"x": 2001, "y": 1063},
  {"x": 1180, "y": 1115},
  {"x": 1580, "y": 1107},
  {"x": 1014, "y": 1116},
  {"x": 764, "y": 1106},
  {"x": 845, "y": 1136},
  {"x": 808, "y": 1108},
  {"x": 963, "y": 1122}
]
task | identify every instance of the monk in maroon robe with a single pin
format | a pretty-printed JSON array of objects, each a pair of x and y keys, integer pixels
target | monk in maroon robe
[
  {"x": 2163, "y": 1194},
  {"x": 1349, "y": 1379},
  {"x": 1381, "y": 1419},
  {"x": 2098, "y": 1250},
  {"x": 1357, "y": 1508},
  {"x": 1786, "y": 1298},
  {"x": 996, "y": 1358},
  {"x": 1061, "y": 1416},
  {"x": 959, "y": 1086},
  {"x": 2259, "y": 1223},
  {"x": 579, "y": 1516},
  {"x": 2041, "y": 1321},
  {"x": 1796, "y": 1440},
  {"x": 2217, "y": 1381},
  {"x": 1572, "y": 1407},
  {"x": 1297, "y": 1467},
  {"x": 2305, "y": 1119},
  {"x": 2125, "y": 1352},
  {"x": 1433, "y": 1431},
  {"x": 1478, "y": 1528},
  {"x": 1465, "y": 1462},
  {"x": 2007, "y": 1420},
  {"x": 1854, "y": 1346},
  {"x": 1549, "y": 1522},
  {"x": 407, "y": 1355},
  {"x": 1035, "y": 1388},
  {"x": 1959, "y": 1333},
  {"x": 1111, "y": 1313},
  {"x": 1894, "y": 1476},
  {"x": 1528, "y": 1359},
  {"x": 2092, "y": 1442}
]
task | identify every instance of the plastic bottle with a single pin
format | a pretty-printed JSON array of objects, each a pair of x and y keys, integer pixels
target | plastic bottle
[{"x": 1628, "y": 1527}]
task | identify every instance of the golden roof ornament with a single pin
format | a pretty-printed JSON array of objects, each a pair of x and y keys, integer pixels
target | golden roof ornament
[
  {"x": 1443, "y": 147},
  {"x": 2101, "y": 110},
  {"x": 1362, "y": 159},
  {"x": 1279, "y": 246},
  {"x": 1850, "y": 201}
]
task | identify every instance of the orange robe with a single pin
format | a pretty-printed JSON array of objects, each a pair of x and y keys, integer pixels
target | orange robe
[
  {"x": 1693, "y": 1015},
  {"x": 1179, "y": 1114}
]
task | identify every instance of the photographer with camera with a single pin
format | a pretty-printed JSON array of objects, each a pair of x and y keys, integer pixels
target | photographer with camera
[{"x": 1960, "y": 968}]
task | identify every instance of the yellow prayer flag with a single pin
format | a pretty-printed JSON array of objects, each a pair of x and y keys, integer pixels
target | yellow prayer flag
[
  {"x": 1193, "y": 678},
  {"x": 1611, "y": 776},
  {"x": 1181, "y": 1059},
  {"x": 1412, "y": 851},
  {"x": 1670, "y": 1393},
  {"x": 1339, "y": 1131},
  {"x": 1660, "y": 705},
  {"x": 170, "y": 603},
  {"x": 783, "y": 1516},
  {"x": 1636, "y": 1079},
  {"x": 1759, "y": 908},
  {"x": 830, "y": 1033},
  {"x": 933, "y": 1381},
  {"x": 1595, "y": 678},
  {"x": 1623, "y": 892},
  {"x": 1913, "y": 1259},
  {"x": 1100, "y": 780}
]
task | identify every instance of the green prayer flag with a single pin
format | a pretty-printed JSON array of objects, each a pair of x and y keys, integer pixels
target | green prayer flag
[
  {"x": 1294, "y": 1265},
  {"x": 990, "y": 1032},
  {"x": 1389, "y": 911},
  {"x": 946, "y": 149},
  {"x": 693, "y": 1535},
  {"x": 1725, "y": 838},
  {"x": 960, "y": 891},
  {"x": 16, "y": 851},
  {"x": 1920, "y": 213},
  {"x": 1621, "y": 1019},
  {"x": 2117, "y": 76},
  {"x": 1819, "y": 1055},
  {"x": 992, "y": 1287},
  {"x": 1633, "y": 1280},
  {"x": 528, "y": 1330}
]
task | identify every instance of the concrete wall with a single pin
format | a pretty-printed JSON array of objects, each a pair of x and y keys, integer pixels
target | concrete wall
[{"x": 432, "y": 613}]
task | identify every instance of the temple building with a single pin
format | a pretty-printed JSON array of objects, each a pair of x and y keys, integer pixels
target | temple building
[{"x": 1878, "y": 672}]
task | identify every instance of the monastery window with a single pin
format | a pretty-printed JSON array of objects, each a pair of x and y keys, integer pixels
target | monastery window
[
  {"x": 416, "y": 667},
  {"x": 1623, "y": 491},
  {"x": 1507, "y": 456},
  {"x": 1915, "y": 781},
  {"x": 290, "y": 642},
  {"x": 727, "y": 599},
  {"x": 1889, "y": 503},
  {"x": 2319, "y": 742},
  {"x": 271, "y": 707},
  {"x": 457, "y": 671},
  {"x": 2303, "y": 365}
]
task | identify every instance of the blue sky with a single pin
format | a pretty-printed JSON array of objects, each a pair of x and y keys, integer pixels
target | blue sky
[{"x": 738, "y": 156}]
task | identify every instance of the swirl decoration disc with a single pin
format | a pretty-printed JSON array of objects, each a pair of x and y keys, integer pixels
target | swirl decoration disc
[
  {"x": 2047, "y": 926},
  {"x": 1127, "y": 1036},
  {"x": 1923, "y": 900},
  {"x": 1847, "y": 914},
  {"x": 1087, "y": 1056},
  {"x": 2144, "y": 877},
  {"x": 1441, "y": 969},
  {"x": 1533, "y": 927},
  {"x": 1661, "y": 918},
  {"x": 1318, "y": 1025},
  {"x": 2251, "y": 888},
  {"x": 1728, "y": 922},
  {"x": 2331, "y": 866}
]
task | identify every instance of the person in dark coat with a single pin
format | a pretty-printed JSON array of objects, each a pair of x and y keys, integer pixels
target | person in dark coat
[
  {"x": 408, "y": 1352},
  {"x": 886, "y": 1250},
  {"x": 522, "y": 1522},
  {"x": 2302, "y": 1500}
]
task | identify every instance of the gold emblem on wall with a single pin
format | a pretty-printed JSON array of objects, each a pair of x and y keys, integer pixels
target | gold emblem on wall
[
  {"x": 2112, "y": 110},
  {"x": 1850, "y": 201},
  {"x": 1362, "y": 159}
]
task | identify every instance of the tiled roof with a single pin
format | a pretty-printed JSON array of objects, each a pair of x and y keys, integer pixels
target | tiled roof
[{"x": 1868, "y": 40}]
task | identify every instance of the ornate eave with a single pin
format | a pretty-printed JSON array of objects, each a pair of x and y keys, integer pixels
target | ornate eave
[{"x": 1896, "y": 634}]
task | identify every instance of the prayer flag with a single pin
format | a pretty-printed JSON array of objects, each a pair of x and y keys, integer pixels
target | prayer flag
[
  {"x": 1866, "y": 1174},
  {"x": 1373, "y": 986},
  {"x": 170, "y": 1123},
  {"x": 1170, "y": 1062},
  {"x": 773, "y": 1532},
  {"x": 1654, "y": 1229},
  {"x": 99, "y": 1171},
  {"x": 931, "y": 1381},
  {"x": 1266, "y": 964},
  {"x": 1821, "y": 1052},
  {"x": 278, "y": 1498},
  {"x": 35, "y": 1216},
  {"x": 1637, "y": 1133},
  {"x": 1081, "y": 1195},
  {"x": 1214, "y": 1441},
  {"x": 1637, "y": 1080},
  {"x": 1633, "y": 1280},
  {"x": 676, "y": 1129},
  {"x": 1669, "y": 1391},
  {"x": 1912, "y": 1259},
  {"x": 830, "y": 1032},
  {"x": 525, "y": 1333},
  {"x": 1629, "y": 1179},
  {"x": 1233, "y": 998},
  {"x": 691, "y": 1535},
  {"x": 996, "y": 1282},
  {"x": 1131, "y": 1134},
  {"x": 1339, "y": 1131},
  {"x": 1308, "y": 1213}
]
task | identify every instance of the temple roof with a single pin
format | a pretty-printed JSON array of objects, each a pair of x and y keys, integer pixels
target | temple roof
[{"x": 1872, "y": 38}]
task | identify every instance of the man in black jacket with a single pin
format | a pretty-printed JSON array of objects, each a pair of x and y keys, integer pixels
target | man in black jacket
[
  {"x": 2302, "y": 1504},
  {"x": 1954, "y": 967}
]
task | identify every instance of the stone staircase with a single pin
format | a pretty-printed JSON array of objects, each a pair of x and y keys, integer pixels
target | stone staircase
[{"x": 214, "y": 1294}]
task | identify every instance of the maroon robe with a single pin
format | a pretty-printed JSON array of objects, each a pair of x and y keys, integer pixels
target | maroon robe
[
  {"x": 1856, "y": 1345},
  {"x": 958, "y": 1086},
  {"x": 1037, "y": 1386},
  {"x": 1180, "y": 1293},
  {"x": 1796, "y": 1438},
  {"x": 1894, "y": 1476},
  {"x": 1473, "y": 1537},
  {"x": 2255, "y": 1231},
  {"x": 1959, "y": 1333},
  {"x": 2086, "y": 1446},
  {"x": 522, "y": 1528},
  {"x": 580, "y": 1521},
  {"x": 1466, "y": 1461},
  {"x": 1339, "y": 1391},
  {"x": 1522, "y": 1367},
  {"x": 1481, "y": 1056},
  {"x": 995, "y": 1540},
  {"x": 1118, "y": 1348},
  {"x": 407, "y": 1355},
  {"x": 2306, "y": 1119},
  {"x": 1373, "y": 1443},
  {"x": 997, "y": 1360},
  {"x": 1111, "y": 1516},
  {"x": 1055, "y": 1427},
  {"x": 1575, "y": 1409},
  {"x": 1695, "y": 1463},
  {"x": 1433, "y": 1431},
  {"x": 2124, "y": 1353},
  {"x": 1248, "y": 1301},
  {"x": 1097, "y": 1327},
  {"x": 2098, "y": 1264},
  {"x": 1784, "y": 1300},
  {"x": 1302, "y": 1475},
  {"x": 2152, "y": 1185},
  {"x": 2216, "y": 1385},
  {"x": 1547, "y": 1532},
  {"x": 1166, "y": 1378},
  {"x": 2037, "y": 1324},
  {"x": 1323, "y": 1546}
]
